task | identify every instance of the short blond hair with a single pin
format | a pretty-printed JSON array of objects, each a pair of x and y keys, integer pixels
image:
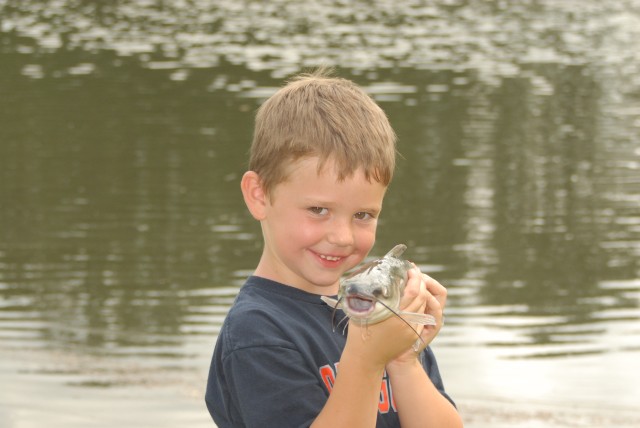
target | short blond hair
[{"x": 317, "y": 115}]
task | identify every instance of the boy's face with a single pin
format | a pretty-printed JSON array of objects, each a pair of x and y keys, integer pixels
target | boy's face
[{"x": 316, "y": 227}]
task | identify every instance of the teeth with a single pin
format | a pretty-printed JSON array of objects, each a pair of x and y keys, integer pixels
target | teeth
[{"x": 330, "y": 258}]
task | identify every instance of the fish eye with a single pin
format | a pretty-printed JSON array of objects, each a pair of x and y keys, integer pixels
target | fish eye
[{"x": 381, "y": 292}]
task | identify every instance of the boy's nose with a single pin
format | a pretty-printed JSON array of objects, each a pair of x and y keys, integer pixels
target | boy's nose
[{"x": 341, "y": 233}]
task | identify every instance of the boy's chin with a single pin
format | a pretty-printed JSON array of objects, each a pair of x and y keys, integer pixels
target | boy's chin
[{"x": 326, "y": 284}]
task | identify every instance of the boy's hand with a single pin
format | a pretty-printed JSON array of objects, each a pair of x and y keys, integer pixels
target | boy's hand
[
  {"x": 392, "y": 340},
  {"x": 435, "y": 298}
]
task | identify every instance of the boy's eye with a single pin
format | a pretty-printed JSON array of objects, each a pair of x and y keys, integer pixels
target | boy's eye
[
  {"x": 363, "y": 216},
  {"x": 318, "y": 210}
]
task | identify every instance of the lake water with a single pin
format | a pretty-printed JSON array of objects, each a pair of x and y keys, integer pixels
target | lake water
[{"x": 124, "y": 128}]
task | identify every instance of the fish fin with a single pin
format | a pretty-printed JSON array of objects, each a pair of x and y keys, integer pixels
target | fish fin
[
  {"x": 424, "y": 319},
  {"x": 366, "y": 266},
  {"x": 330, "y": 301},
  {"x": 396, "y": 251}
]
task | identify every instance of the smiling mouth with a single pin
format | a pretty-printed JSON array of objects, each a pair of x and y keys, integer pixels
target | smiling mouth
[{"x": 330, "y": 258}]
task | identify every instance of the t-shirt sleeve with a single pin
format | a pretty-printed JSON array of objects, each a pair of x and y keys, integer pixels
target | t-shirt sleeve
[{"x": 271, "y": 386}]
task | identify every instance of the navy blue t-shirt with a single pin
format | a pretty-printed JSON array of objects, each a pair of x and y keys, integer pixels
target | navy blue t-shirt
[{"x": 276, "y": 359}]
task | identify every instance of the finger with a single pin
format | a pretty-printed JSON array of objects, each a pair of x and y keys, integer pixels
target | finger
[
  {"x": 415, "y": 292},
  {"x": 436, "y": 289},
  {"x": 433, "y": 306},
  {"x": 414, "y": 284},
  {"x": 433, "y": 285}
]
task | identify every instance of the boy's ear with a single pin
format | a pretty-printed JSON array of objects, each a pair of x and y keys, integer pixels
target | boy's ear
[{"x": 254, "y": 195}]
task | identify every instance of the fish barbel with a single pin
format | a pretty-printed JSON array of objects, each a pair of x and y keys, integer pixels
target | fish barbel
[{"x": 372, "y": 293}]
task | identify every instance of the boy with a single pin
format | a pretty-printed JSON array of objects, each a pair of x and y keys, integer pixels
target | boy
[{"x": 322, "y": 157}]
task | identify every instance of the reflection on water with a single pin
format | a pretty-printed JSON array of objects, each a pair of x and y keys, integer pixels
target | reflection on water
[{"x": 125, "y": 127}]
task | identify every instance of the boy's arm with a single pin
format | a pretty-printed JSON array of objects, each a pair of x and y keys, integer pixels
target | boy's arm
[
  {"x": 353, "y": 402},
  {"x": 418, "y": 400},
  {"x": 354, "y": 399}
]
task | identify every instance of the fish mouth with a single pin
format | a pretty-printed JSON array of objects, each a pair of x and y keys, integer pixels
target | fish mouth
[{"x": 360, "y": 305}]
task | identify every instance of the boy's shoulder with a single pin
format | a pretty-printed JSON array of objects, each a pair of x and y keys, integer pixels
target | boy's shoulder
[
  {"x": 266, "y": 312},
  {"x": 255, "y": 302},
  {"x": 268, "y": 295}
]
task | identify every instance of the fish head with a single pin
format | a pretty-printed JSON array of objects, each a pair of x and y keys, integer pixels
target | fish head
[{"x": 372, "y": 293}]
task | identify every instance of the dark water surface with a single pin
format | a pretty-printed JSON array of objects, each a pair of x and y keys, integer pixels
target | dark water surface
[{"x": 124, "y": 128}]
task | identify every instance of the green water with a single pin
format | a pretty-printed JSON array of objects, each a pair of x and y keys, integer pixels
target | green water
[{"x": 124, "y": 129}]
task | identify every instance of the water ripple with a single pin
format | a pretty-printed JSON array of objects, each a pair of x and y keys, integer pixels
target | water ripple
[{"x": 284, "y": 35}]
